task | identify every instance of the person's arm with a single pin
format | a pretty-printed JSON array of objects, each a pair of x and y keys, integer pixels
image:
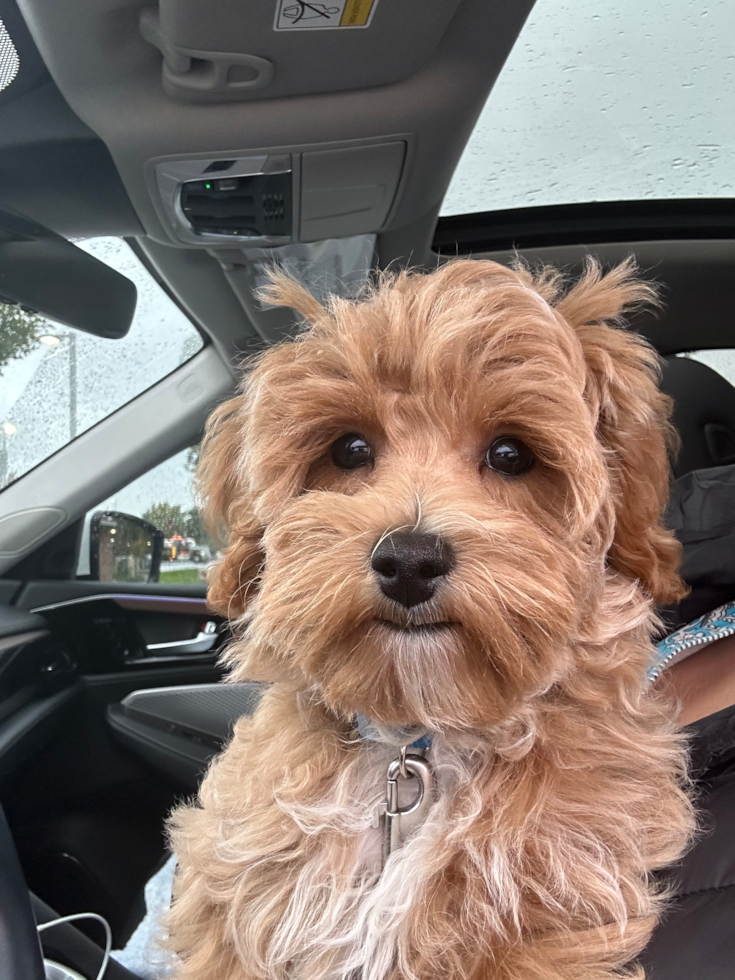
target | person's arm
[{"x": 703, "y": 683}]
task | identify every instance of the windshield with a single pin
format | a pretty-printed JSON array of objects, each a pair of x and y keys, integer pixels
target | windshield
[
  {"x": 56, "y": 382},
  {"x": 607, "y": 100}
]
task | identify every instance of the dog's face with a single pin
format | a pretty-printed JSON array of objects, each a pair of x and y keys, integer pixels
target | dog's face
[{"x": 427, "y": 492}]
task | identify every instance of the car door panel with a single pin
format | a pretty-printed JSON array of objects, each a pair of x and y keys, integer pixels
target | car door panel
[
  {"x": 34, "y": 594},
  {"x": 179, "y": 729},
  {"x": 88, "y": 813}
]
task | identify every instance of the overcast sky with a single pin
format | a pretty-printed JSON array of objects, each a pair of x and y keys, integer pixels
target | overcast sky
[
  {"x": 35, "y": 389},
  {"x": 607, "y": 100}
]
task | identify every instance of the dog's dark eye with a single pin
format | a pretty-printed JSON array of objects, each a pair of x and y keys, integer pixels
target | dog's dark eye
[
  {"x": 351, "y": 451},
  {"x": 509, "y": 456}
]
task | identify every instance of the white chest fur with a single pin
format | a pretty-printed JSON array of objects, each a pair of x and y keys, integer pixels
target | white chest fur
[{"x": 345, "y": 913}]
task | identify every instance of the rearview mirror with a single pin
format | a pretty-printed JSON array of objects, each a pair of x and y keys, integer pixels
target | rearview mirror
[
  {"x": 123, "y": 548},
  {"x": 44, "y": 273}
]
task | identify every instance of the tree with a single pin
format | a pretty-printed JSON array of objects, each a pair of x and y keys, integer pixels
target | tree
[
  {"x": 193, "y": 526},
  {"x": 195, "y": 529},
  {"x": 168, "y": 518},
  {"x": 19, "y": 332}
]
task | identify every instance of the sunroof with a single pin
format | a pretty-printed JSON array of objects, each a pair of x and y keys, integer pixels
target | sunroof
[
  {"x": 9, "y": 61},
  {"x": 607, "y": 100}
]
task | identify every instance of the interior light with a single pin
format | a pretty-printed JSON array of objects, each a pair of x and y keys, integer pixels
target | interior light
[
  {"x": 9, "y": 60},
  {"x": 9, "y": 429},
  {"x": 50, "y": 340},
  {"x": 113, "y": 530}
]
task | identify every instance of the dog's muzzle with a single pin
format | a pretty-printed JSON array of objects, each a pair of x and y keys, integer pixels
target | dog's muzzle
[{"x": 409, "y": 565}]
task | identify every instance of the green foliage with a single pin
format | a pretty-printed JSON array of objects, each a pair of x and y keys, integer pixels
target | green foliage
[
  {"x": 168, "y": 518},
  {"x": 172, "y": 519},
  {"x": 179, "y": 575},
  {"x": 193, "y": 526},
  {"x": 19, "y": 332}
]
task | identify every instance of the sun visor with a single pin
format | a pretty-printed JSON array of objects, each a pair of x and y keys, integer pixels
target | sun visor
[{"x": 268, "y": 48}]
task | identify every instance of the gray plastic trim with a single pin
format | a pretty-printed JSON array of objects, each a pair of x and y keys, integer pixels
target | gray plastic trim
[
  {"x": 178, "y": 730},
  {"x": 213, "y": 85},
  {"x": 208, "y": 709},
  {"x": 398, "y": 38},
  {"x": 23, "y": 528},
  {"x": 144, "y": 603},
  {"x": 191, "y": 165},
  {"x": 111, "y": 78}
]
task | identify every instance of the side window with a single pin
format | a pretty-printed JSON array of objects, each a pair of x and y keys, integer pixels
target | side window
[
  {"x": 57, "y": 382},
  {"x": 164, "y": 496}
]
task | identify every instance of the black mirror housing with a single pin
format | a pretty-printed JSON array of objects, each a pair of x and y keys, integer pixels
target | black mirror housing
[{"x": 123, "y": 548}]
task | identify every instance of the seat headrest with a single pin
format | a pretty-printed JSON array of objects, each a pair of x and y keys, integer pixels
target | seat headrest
[{"x": 704, "y": 414}]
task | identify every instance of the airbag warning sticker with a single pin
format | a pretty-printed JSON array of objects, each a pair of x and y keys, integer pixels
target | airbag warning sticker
[{"x": 302, "y": 15}]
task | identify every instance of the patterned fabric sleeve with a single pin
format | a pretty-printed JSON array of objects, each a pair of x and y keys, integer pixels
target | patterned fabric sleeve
[{"x": 682, "y": 643}]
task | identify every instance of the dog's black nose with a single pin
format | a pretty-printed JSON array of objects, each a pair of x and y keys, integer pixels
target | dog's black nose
[{"x": 408, "y": 566}]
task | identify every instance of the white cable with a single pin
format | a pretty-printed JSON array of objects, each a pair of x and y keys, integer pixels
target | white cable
[{"x": 85, "y": 915}]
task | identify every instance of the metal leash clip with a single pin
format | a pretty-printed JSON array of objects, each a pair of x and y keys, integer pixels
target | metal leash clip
[{"x": 400, "y": 822}]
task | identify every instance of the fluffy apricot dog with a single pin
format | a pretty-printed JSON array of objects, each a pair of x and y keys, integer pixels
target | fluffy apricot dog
[{"x": 443, "y": 506}]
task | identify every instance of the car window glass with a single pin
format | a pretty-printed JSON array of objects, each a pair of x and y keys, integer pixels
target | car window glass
[
  {"x": 607, "y": 100},
  {"x": 165, "y": 497},
  {"x": 56, "y": 382}
]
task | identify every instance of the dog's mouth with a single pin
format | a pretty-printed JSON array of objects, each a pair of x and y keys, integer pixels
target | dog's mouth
[{"x": 417, "y": 629}]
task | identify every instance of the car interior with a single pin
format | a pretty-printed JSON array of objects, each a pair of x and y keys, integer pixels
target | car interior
[{"x": 188, "y": 146}]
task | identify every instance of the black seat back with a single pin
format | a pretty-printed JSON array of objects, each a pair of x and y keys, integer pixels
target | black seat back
[{"x": 704, "y": 414}]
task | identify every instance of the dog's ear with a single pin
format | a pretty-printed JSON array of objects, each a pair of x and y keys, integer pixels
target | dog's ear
[
  {"x": 228, "y": 511},
  {"x": 283, "y": 290},
  {"x": 633, "y": 423},
  {"x": 242, "y": 430}
]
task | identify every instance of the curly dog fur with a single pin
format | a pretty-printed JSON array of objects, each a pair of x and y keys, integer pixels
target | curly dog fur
[{"x": 561, "y": 779}]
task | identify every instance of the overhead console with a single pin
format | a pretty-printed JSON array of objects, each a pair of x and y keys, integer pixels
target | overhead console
[
  {"x": 247, "y": 49},
  {"x": 319, "y": 89},
  {"x": 267, "y": 198}
]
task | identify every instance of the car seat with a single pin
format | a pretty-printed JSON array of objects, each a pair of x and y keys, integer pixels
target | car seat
[{"x": 704, "y": 414}]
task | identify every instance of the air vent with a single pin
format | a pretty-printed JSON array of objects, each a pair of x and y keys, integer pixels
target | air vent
[{"x": 256, "y": 206}]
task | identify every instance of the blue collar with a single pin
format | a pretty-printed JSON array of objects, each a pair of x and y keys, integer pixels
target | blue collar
[{"x": 371, "y": 733}]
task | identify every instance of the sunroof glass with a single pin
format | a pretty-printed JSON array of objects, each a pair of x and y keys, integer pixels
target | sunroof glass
[
  {"x": 607, "y": 100},
  {"x": 9, "y": 60}
]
